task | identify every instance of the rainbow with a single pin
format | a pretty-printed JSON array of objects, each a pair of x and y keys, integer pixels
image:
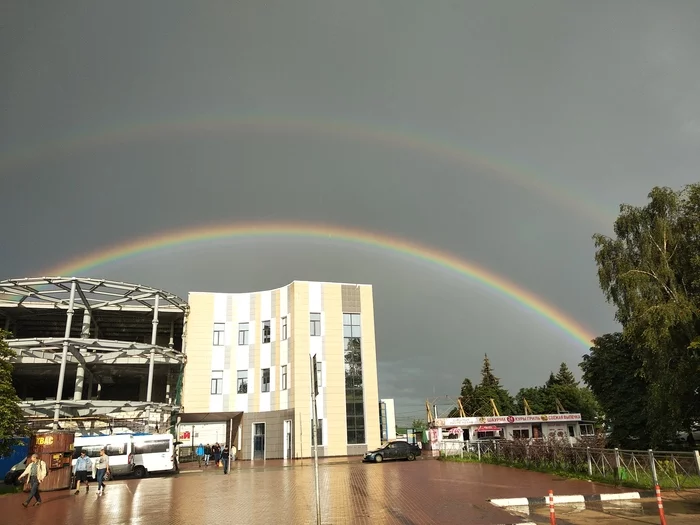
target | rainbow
[
  {"x": 13, "y": 160},
  {"x": 200, "y": 234}
]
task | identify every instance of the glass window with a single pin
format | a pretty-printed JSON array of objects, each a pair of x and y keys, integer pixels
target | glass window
[
  {"x": 115, "y": 449},
  {"x": 284, "y": 377},
  {"x": 152, "y": 447},
  {"x": 242, "y": 334},
  {"x": 217, "y": 382},
  {"x": 265, "y": 384},
  {"x": 284, "y": 328},
  {"x": 354, "y": 393},
  {"x": 315, "y": 328},
  {"x": 521, "y": 433},
  {"x": 219, "y": 330},
  {"x": 242, "y": 382},
  {"x": 266, "y": 331},
  {"x": 319, "y": 373}
]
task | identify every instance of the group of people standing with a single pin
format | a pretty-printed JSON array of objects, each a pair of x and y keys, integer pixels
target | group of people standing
[{"x": 220, "y": 455}]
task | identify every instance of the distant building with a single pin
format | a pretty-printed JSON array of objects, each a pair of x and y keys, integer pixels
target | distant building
[
  {"x": 387, "y": 419},
  {"x": 249, "y": 362}
]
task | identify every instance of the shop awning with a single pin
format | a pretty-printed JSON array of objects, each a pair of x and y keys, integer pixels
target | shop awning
[{"x": 488, "y": 428}]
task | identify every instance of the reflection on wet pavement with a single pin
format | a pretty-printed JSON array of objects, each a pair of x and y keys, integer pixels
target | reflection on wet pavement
[{"x": 422, "y": 492}]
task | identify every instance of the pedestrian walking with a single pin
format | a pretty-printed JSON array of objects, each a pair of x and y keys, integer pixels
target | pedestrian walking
[
  {"x": 207, "y": 454},
  {"x": 216, "y": 450},
  {"x": 224, "y": 458},
  {"x": 200, "y": 454},
  {"x": 36, "y": 472},
  {"x": 102, "y": 465},
  {"x": 82, "y": 466}
]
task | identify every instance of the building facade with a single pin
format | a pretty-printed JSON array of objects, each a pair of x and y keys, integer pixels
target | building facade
[{"x": 251, "y": 354}]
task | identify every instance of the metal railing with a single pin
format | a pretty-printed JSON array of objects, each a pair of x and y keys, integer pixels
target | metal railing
[{"x": 644, "y": 468}]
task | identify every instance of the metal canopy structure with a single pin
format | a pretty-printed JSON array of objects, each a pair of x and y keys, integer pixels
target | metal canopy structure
[{"x": 122, "y": 324}]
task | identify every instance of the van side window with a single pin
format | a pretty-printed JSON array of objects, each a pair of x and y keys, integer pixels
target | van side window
[
  {"x": 152, "y": 447},
  {"x": 115, "y": 449}
]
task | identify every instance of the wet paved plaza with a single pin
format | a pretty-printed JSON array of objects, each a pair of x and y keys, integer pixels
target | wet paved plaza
[{"x": 419, "y": 492}]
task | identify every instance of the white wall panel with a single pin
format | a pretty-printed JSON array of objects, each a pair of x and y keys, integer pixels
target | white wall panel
[
  {"x": 264, "y": 402},
  {"x": 315, "y": 294},
  {"x": 242, "y": 307},
  {"x": 220, "y": 307}
]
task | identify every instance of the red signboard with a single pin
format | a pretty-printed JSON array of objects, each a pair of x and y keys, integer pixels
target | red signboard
[{"x": 488, "y": 429}]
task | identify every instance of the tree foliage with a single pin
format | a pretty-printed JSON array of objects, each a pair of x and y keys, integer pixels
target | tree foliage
[
  {"x": 477, "y": 400},
  {"x": 650, "y": 271},
  {"x": 612, "y": 371},
  {"x": 11, "y": 419},
  {"x": 561, "y": 387}
]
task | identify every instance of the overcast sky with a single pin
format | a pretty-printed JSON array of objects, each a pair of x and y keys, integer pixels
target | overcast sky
[{"x": 118, "y": 119}]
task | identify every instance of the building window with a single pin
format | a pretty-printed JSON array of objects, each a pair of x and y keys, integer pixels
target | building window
[
  {"x": 242, "y": 334},
  {"x": 217, "y": 382},
  {"x": 354, "y": 393},
  {"x": 266, "y": 331},
  {"x": 319, "y": 433},
  {"x": 284, "y": 328},
  {"x": 315, "y": 324},
  {"x": 242, "y": 382},
  {"x": 284, "y": 377},
  {"x": 265, "y": 384},
  {"x": 219, "y": 329},
  {"x": 521, "y": 433},
  {"x": 587, "y": 430},
  {"x": 319, "y": 374}
]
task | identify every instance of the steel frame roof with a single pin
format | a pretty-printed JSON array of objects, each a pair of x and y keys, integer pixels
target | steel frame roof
[
  {"x": 91, "y": 351},
  {"x": 91, "y": 294}
]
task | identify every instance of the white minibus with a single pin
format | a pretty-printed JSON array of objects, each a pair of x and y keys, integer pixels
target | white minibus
[
  {"x": 153, "y": 453},
  {"x": 117, "y": 446}
]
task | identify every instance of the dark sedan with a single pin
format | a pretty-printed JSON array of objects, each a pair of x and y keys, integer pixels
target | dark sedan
[{"x": 393, "y": 450}]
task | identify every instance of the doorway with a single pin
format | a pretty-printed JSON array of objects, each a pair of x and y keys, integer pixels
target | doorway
[
  {"x": 288, "y": 439},
  {"x": 259, "y": 441}
]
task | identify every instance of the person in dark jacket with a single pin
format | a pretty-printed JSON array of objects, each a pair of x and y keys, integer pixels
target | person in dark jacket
[{"x": 224, "y": 458}]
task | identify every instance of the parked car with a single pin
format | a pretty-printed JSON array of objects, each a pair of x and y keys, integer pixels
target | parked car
[
  {"x": 393, "y": 450},
  {"x": 15, "y": 472}
]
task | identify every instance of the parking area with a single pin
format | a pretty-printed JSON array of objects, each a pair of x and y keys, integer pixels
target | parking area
[{"x": 419, "y": 492}]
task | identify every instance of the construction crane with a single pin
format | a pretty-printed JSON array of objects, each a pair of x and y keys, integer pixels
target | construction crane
[
  {"x": 495, "y": 408},
  {"x": 526, "y": 405}
]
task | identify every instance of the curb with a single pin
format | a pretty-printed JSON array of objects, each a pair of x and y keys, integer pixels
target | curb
[{"x": 578, "y": 498}]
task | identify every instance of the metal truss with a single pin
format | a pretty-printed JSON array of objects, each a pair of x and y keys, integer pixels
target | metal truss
[
  {"x": 90, "y": 408},
  {"x": 93, "y": 294},
  {"x": 91, "y": 351}
]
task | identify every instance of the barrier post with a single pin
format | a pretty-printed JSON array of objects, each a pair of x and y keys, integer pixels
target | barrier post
[
  {"x": 552, "y": 516},
  {"x": 590, "y": 462},
  {"x": 660, "y": 502}
]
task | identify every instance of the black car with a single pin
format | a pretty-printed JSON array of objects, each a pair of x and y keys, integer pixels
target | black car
[{"x": 393, "y": 450}]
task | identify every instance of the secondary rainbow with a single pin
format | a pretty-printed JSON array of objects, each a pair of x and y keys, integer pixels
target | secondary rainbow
[
  {"x": 258, "y": 230},
  {"x": 12, "y": 159}
]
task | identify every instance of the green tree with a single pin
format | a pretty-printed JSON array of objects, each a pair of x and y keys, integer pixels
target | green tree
[
  {"x": 11, "y": 419},
  {"x": 418, "y": 424},
  {"x": 476, "y": 400},
  {"x": 650, "y": 271},
  {"x": 536, "y": 397},
  {"x": 612, "y": 370},
  {"x": 565, "y": 376},
  {"x": 490, "y": 388}
]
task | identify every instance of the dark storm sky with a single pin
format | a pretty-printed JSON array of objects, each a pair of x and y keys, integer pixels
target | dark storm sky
[{"x": 565, "y": 108}]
